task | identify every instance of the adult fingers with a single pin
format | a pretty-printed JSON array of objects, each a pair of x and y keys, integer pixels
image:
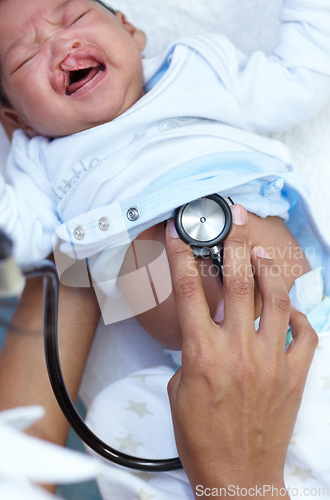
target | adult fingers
[
  {"x": 192, "y": 308},
  {"x": 237, "y": 275},
  {"x": 274, "y": 320},
  {"x": 302, "y": 348}
]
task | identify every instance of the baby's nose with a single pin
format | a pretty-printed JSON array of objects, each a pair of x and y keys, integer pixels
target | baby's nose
[{"x": 62, "y": 46}]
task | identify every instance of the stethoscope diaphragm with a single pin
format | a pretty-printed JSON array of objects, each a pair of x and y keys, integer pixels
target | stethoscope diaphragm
[{"x": 204, "y": 224}]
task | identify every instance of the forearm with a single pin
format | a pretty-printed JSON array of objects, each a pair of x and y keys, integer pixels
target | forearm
[
  {"x": 23, "y": 373},
  {"x": 250, "y": 484},
  {"x": 230, "y": 469}
]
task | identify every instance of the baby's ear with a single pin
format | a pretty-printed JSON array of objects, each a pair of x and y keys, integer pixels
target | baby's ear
[
  {"x": 11, "y": 121},
  {"x": 138, "y": 35},
  {"x": 7, "y": 124}
]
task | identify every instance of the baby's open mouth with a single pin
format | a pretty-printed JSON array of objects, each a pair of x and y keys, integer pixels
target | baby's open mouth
[
  {"x": 79, "y": 79},
  {"x": 81, "y": 70}
]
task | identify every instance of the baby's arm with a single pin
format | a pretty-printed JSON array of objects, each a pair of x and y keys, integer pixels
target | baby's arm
[
  {"x": 27, "y": 206},
  {"x": 291, "y": 84}
]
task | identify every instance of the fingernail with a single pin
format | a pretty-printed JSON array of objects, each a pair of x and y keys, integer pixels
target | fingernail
[
  {"x": 220, "y": 312},
  {"x": 239, "y": 215},
  {"x": 171, "y": 229},
  {"x": 261, "y": 252}
]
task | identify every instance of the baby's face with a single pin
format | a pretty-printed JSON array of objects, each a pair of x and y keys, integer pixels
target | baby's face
[{"x": 68, "y": 65}]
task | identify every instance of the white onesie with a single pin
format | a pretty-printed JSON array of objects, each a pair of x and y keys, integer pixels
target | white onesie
[{"x": 193, "y": 133}]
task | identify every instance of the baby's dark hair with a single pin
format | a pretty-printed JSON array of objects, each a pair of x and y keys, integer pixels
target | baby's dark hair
[
  {"x": 106, "y": 6},
  {"x": 4, "y": 99}
]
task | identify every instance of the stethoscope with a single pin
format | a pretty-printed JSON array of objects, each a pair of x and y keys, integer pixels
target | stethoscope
[{"x": 203, "y": 224}]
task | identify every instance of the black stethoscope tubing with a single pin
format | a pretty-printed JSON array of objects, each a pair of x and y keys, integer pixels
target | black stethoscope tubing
[{"x": 48, "y": 271}]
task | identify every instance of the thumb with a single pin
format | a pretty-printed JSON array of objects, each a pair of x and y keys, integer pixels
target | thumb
[{"x": 173, "y": 386}]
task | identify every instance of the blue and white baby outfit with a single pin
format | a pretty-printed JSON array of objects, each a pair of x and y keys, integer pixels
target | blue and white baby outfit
[{"x": 193, "y": 133}]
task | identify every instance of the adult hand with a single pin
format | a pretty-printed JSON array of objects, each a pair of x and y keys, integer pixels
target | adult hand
[{"x": 235, "y": 399}]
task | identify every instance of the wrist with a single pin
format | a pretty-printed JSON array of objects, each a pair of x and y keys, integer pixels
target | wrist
[
  {"x": 213, "y": 484},
  {"x": 204, "y": 490}
]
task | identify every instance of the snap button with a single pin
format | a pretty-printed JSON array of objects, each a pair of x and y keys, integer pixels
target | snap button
[
  {"x": 133, "y": 213},
  {"x": 104, "y": 223},
  {"x": 79, "y": 233}
]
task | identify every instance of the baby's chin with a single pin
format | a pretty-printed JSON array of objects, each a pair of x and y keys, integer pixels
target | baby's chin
[{"x": 65, "y": 131}]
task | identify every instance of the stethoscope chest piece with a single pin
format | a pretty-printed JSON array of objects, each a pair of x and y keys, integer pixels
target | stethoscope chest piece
[{"x": 204, "y": 224}]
